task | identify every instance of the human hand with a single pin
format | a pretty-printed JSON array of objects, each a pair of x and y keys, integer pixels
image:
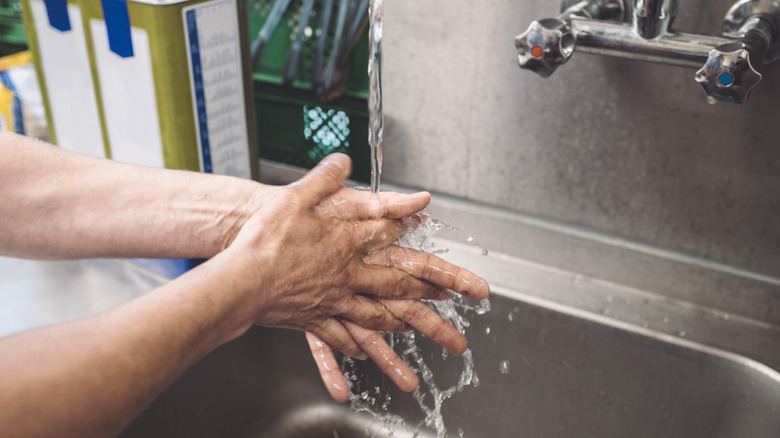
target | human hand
[
  {"x": 414, "y": 312},
  {"x": 307, "y": 270},
  {"x": 356, "y": 205},
  {"x": 373, "y": 343}
]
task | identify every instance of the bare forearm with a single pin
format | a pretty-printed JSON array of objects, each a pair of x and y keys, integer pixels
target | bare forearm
[
  {"x": 59, "y": 205},
  {"x": 91, "y": 377}
]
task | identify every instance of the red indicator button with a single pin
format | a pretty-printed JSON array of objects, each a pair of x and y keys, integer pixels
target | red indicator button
[{"x": 537, "y": 52}]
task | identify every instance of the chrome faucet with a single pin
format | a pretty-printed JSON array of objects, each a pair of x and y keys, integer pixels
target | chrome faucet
[
  {"x": 652, "y": 18},
  {"x": 726, "y": 64}
]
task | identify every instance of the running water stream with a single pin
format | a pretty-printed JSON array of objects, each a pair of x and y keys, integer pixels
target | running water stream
[
  {"x": 375, "y": 116},
  {"x": 430, "y": 396}
]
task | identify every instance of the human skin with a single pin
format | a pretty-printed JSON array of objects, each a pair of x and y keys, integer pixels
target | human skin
[{"x": 312, "y": 256}]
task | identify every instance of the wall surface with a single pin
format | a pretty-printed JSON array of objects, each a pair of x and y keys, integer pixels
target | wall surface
[{"x": 620, "y": 147}]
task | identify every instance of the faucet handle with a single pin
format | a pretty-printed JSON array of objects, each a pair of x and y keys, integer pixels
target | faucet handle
[
  {"x": 547, "y": 44},
  {"x": 728, "y": 75}
]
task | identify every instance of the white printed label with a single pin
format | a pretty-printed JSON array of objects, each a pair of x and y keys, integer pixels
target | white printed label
[
  {"x": 129, "y": 102},
  {"x": 214, "y": 54},
  {"x": 69, "y": 84}
]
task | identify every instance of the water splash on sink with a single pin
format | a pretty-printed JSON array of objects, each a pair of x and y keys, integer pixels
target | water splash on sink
[
  {"x": 374, "y": 400},
  {"x": 430, "y": 396}
]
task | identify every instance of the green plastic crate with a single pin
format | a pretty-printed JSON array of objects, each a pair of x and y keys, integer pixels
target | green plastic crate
[
  {"x": 12, "y": 37},
  {"x": 293, "y": 125}
]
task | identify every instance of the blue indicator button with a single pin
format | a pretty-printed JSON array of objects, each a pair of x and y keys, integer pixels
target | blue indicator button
[{"x": 726, "y": 79}]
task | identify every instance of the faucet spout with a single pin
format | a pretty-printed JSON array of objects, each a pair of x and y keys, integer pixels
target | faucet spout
[{"x": 653, "y": 18}]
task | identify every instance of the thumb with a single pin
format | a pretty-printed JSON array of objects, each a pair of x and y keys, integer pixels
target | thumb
[{"x": 324, "y": 179}]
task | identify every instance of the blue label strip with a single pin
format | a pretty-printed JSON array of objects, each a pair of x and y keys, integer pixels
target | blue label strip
[
  {"x": 200, "y": 95},
  {"x": 17, "y": 105},
  {"x": 57, "y": 10},
  {"x": 117, "y": 18}
]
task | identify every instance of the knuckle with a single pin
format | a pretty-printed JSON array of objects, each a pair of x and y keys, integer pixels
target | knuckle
[
  {"x": 377, "y": 319},
  {"x": 414, "y": 310},
  {"x": 401, "y": 286}
]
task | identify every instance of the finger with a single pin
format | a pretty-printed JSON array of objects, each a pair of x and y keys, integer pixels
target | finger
[
  {"x": 385, "y": 282},
  {"x": 325, "y": 178},
  {"x": 431, "y": 269},
  {"x": 334, "y": 333},
  {"x": 388, "y": 361},
  {"x": 329, "y": 369},
  {"x": 429, "y": 322},
  {"x": 372, "y": 315},
  {"x": 354, "y": 204},
  {"x": 378, "y": 233}
]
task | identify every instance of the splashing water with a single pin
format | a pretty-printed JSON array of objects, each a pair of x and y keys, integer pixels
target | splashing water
[
  {"x": 429, "y": 396},
  {"x": 375, "y": 117},
  {"x": 375, "y": 401}
]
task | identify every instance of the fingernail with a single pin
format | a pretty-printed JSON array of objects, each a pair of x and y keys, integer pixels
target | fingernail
[
  {"x": 339, "y": 160},
  {"x": 420, "y": 194},
  {"x": 361, "y": 356}
]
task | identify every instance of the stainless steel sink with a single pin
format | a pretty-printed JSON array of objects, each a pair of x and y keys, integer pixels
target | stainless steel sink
[
  {"x": 588, "y": 336},
  {"x": 558, "y": 355},
  {"x": 545, "y": 370}
]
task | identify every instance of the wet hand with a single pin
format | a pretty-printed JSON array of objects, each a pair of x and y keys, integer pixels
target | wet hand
[
  {"x": 355, "y": 205},
  {"x": 418, "y": 315},
  {"x": 308, "y": 269}
]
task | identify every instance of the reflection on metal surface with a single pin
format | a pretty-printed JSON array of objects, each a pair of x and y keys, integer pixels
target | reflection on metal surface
[{"x": 327, "y": 420}]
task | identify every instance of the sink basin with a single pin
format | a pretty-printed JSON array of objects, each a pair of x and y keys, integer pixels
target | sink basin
[
  {"x": 545, "y": 370},
  {"x": 587, "y": 337}
]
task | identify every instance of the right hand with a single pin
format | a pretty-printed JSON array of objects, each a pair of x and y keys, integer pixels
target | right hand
[
  {"x": 358, "y": 205},
  {"x": 317, "y": 254}
]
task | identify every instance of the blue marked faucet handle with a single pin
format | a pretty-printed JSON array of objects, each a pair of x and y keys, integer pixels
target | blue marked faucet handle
[
  {"x": 728, "y": 75},
  {"x": 546, "y": 45}
]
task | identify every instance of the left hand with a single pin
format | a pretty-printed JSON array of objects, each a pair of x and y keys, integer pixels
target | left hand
[
  {"x": 359, "y": 205},
  {"x": 373, "y": 343}
]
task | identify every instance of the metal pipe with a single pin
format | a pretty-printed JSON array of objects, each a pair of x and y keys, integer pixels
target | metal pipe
[
  {"x": 757, "y": 38},
  {"x": 653, "y": 18},
  {"x": 620, "y": 40}
]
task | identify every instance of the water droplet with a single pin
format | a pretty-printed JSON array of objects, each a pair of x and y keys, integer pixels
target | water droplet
[
  {"x": 487, "y": 330},
  {"x": 485, "y": 252},
  {"x": 503, "y": 366},
  {"x": 511, "y": 316},
  {"x": 483, "y": 307}
]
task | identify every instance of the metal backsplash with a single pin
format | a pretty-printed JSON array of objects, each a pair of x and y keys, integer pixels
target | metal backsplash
[{"x": 625, "y": 148}]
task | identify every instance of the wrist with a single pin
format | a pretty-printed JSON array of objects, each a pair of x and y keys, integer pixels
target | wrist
[
  {"x": 221, "y": 206},
  {"x": 253, "y": 196},
  {"x": 236, "y": 291}
]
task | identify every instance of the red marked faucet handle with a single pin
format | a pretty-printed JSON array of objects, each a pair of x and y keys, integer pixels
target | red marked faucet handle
[
  {"x": 546, "y": 45},
  {"x": 728, "y": 75}
]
